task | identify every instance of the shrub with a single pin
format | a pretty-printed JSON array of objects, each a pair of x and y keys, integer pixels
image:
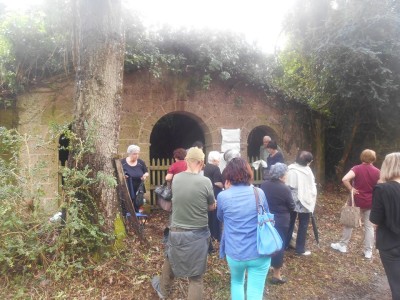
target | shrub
[{"x": 29, "y": 241}]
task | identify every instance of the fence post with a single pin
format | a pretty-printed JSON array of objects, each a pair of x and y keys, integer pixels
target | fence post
[{"x": 158, "y": 171}]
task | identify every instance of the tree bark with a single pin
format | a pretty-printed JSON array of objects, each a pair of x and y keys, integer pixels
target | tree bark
[
  {"x": 319, "y": 147},
  {"x": 339, "y": 169},
  {"x": 99, "y": 40}
]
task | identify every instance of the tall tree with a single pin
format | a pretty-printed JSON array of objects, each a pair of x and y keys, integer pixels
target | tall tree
[
  {"x": 343, "y": 61},
  {"x": 99, "y": 45}
]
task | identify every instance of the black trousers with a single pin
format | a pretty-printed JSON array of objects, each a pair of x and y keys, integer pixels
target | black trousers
[
  {"x": 304, "y": 220},
  {"x": 277, "y": 258},
  {"x": 391, "y": 262}
]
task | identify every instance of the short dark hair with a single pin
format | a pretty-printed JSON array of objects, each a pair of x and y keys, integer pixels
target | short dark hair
[
  {"x": 198, "y": 144},
  {"x": 179, "y": 153},
  {"x": 238, "y": 171},
  {"x": 272, "y": 145},
  {"x": 304, "y": 158}
]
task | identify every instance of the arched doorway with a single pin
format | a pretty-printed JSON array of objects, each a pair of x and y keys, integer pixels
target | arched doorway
[
  {"x": 175, "y": 130},
  {"x": 255, "y": 140}
]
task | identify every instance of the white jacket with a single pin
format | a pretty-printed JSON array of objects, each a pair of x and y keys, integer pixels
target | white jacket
[{"x": 302, "y": 179}]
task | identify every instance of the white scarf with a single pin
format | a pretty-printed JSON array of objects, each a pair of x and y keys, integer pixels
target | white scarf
[{"x": 302, "y": 179}]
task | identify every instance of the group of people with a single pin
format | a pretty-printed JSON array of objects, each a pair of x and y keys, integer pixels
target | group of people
[
  {"x": 377, "y": 194},
  {"x": 194, "y": 192},
  {"x": 289, "y": 192},
  {"x": 237, "y": 210}
]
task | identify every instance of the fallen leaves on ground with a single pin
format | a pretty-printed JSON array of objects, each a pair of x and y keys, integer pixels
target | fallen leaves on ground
[{"x": 326, "y": 274}]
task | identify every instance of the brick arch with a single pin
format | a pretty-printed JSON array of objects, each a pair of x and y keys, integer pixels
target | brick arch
[
  {"x": 255, "y": 123},
  {"x": 255, "y": 136},
  {"x": 192, "y": 110}
]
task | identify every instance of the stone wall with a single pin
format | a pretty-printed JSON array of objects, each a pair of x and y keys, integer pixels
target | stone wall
[
  {"x": 147, "y": 100},
  {"x": 36, "y": 111}
]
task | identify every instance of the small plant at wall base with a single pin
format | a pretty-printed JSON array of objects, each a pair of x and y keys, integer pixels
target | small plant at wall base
[
  {"x": 29, "y": 241},
  {"x": 239, "y": 101}
]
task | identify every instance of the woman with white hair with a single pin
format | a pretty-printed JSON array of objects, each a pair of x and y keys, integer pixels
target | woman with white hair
[
  {"x": 212, "y": 171},
  {"x": 135, "y": 171},
  {"x": 227, "y": 157},
  {"x": 231, "y": 154},
  {"x": 281, "y": 204}
]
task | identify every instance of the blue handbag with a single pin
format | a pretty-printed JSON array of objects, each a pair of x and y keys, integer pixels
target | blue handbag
[{"x": 268, "y": 239}]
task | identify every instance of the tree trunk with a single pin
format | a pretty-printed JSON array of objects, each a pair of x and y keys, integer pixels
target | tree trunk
[
  {"x": 339, "y": 169},
  {"x": 319, "y": 147},
  {"x": 99, "y": 41}
]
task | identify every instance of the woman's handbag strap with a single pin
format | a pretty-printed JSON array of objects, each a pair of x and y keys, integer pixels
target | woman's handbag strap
[
  {"x": 258, "y": 205},
  {"x": 352, "y": 196}
]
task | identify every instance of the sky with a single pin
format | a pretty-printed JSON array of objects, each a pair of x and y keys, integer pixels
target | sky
[{"x": 259, "y": 20}]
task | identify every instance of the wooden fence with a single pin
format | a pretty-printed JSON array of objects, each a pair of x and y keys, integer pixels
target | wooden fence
[
  {"x": 258, "y": 174},
  {"x": 158, "y": 170}
]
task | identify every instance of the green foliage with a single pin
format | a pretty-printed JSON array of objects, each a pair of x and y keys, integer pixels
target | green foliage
[
  {"x": 203, "y": 55},
  {"x": 37, "y": 44},
  {"x": 33, "y": 45},
  {"x": 349, "y": 53},
  {"x": 19, "y": 195},
  {"x": 28, "y": 240},
  {"x": 296, "y": 77},
  {"x": 343, "y": 61}
]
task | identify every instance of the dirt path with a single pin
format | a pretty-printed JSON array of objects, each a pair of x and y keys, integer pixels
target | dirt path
[{"x": 377, "y": 289}]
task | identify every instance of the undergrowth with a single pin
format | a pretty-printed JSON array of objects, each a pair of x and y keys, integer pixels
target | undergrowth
[{"x": 30, "y": 243}]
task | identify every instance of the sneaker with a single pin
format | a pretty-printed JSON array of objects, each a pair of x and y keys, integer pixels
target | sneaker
[
  {"x": 368, "y": 254},
  {"x": 305, "y": 253},
  {"x": 339, "y": 247},
  {"x": 155, "y": 283}
]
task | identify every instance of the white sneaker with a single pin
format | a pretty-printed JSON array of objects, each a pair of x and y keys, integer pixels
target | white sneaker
[
  {"x": 368, "y": 254},
  {"x": 339, "y": 247}
]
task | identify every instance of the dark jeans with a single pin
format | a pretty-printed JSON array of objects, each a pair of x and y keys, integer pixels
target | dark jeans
[
  {"x": 277, "y": 258},
  {"x": 265, "y": 174},
  {"x": 304, "y": 220},
  {"x": 214, "y": 225},
  {"x": 391, "y": 262}
]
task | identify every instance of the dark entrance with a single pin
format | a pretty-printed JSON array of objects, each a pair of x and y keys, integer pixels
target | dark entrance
[
  {"x": 63, "y": 152},
  {"x": 174, "y": 131},
  {"x": 255, "y": 140}
]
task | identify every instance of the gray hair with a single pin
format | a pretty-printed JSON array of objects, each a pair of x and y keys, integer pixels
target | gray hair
[
  {"x": 133, "y": 149},
  {"x": 213, "y": 155},
  {"x": 278, "y": 170},
  {"x": 230, "y": 154}
]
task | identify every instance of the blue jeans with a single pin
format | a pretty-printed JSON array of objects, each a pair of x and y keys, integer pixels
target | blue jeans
[
  {"x": 304, "y": 220},
  {"x": 257, "y": 270}
]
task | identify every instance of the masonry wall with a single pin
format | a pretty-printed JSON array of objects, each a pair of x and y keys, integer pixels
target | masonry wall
[
  {"x": 36, "y": 111},
  {"x": 146, "y": 101}
]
